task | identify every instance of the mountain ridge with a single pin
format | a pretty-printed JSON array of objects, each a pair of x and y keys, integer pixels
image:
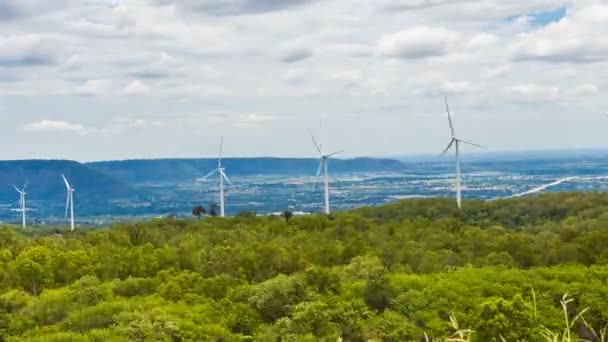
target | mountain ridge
[
  {"x": 172, "y": 169},
  {"x": 43, "y": 177}
]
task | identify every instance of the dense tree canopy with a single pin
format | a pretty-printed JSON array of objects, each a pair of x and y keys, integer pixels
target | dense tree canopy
[{"x": 495, "y": 270}]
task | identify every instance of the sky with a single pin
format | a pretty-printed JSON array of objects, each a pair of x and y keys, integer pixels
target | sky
[{"x": 115, "y": 79}]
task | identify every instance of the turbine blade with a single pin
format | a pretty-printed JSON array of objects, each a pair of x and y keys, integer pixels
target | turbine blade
[
  {"x": 447, "y": 109},
  {"x": 67, "y": 205},
  {"x": 333, "y": 154},
  {"x": 16, "y": 188},
  {"x": 314, "y": 141},
  {"x": 65, "y": 180},
  {"x": 221, "y": 147},
  {"x": 449, "y": 146},
  {"x": 314, "y": 184},
  {"x": 605, "y": 113},
  {"x": 225, "y": 177},
  {"x": 210, "y": 174},
  {"x": 320, "y": 168},
  {"x": 472, "y": 144}
]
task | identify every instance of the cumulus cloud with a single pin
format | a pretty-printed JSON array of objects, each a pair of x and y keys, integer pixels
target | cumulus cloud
[
  {"x": 136, "y": 87},
  {"x": 576, "y": 38},
  {"x": 164, "y": 66},
  {"x": 385, "y": 62},
  {"x": 584, "y": 90},
  {"x": 407, "y": 5},
  {"x": 232, "y": 7},
  {"x": 16, "y": 9},
  {"x": 417, "y": 42},
  {"x": 24, "y": 50},
  {"x": 53, "y": 126},
  {"x": 95, "y": 87}
]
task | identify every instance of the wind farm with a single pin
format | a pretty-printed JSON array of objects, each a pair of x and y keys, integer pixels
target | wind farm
[
  {"x": 303, "y": 170},
  {"x": 264, "y": 191}
]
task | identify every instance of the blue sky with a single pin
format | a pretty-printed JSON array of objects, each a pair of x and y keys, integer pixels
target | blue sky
[
  {"x": 545, "y": 18},
  {"x": 98, "y": 79}
]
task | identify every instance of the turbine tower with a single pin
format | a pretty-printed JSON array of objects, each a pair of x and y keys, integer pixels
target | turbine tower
[
  {"x": 456, "y": 143},
  {"x": 222, "y": 174},
  {"x": 69, "y": 204},
  {"x": 22, "y": 207},
  {"x": 323, "y": 162}
]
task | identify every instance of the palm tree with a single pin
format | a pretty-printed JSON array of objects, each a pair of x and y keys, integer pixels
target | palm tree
[
  {"x": 198, "y": 211},
  {"x": 214, "y": 209},
  {"x": 287, "y": 215}
]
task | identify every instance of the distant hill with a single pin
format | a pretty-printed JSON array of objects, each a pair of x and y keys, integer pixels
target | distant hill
[
  {"x": 44, "y": 180},
  {"x": 138, "y": 171}
]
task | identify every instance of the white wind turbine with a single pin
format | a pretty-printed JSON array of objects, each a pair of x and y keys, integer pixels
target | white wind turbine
[
  {"x": 221, "y": 171},
  {"x": 22, "y": 207},
  {"x": 456, "y": 143},
  {"x": 323, "y": 161},
  {"x": 69, "y": 204}
]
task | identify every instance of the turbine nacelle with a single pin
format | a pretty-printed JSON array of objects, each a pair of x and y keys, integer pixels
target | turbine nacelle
[
  {"x": 22, "y": 190},
  {"x": 455, "y": 140}
]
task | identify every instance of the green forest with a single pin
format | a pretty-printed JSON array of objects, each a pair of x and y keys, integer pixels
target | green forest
[{"x": 529, "y": 269}]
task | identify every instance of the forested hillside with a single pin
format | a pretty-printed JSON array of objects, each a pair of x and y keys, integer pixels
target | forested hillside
[{"x": 417, "y": 269}]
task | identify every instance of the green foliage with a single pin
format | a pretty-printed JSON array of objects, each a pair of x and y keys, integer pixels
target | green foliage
[{"x": 494, "y": 271}]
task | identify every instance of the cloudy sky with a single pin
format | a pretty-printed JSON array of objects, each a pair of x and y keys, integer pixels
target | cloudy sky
[{"x": 113, "y": 79}]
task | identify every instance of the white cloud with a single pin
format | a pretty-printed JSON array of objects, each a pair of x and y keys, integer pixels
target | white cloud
[
  {"x": 95, "y": 87},
  {"x": 482, "y": 40},
  {"x": 577, "y": 38},
  {"x": 53, "y": 126},
  {"x": 583, "y": 90},
  {"x": 386, "y": 63},
  {"x": 26, "y": 49},
  {"x": 417, "y": 42},
  {"x": 136, "y": 87}
]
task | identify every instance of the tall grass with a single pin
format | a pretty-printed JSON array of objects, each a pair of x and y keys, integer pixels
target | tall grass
[{"x": 567, "y": 334}]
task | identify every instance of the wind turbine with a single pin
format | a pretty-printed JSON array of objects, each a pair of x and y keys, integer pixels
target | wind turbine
[
  {"x": 221, "y": 171},
  {"x": 22, "y": 207},
  {"x": 69, "y": 204},
  {"x": 456, "y": 143},
  {"x": 323, "y": 161}
]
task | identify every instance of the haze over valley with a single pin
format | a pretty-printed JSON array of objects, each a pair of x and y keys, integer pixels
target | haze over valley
[{"x": 120, "y": 190}]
